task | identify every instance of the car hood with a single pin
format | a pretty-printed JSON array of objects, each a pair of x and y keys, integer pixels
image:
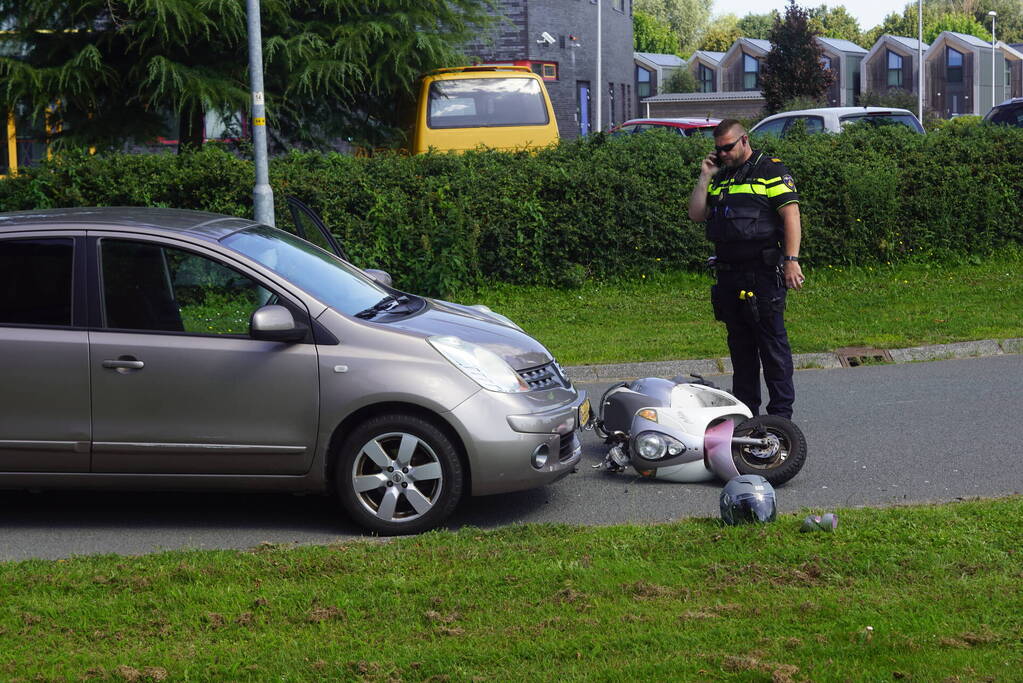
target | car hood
[{"x": 516, "y": 347}]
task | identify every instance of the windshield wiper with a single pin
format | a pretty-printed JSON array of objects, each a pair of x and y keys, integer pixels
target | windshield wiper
[{"x": 388, "y": 303}]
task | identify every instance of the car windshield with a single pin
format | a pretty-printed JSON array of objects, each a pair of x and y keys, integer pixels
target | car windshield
[
  {"x": 326, "y": 277},
  {"x": 907, "y": 120}
]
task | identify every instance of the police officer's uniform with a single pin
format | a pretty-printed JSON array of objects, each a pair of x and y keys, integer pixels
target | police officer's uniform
[{"x": 746, "y": 229}]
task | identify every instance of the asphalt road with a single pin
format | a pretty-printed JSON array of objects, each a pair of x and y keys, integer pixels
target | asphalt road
[{"x": 877, "y": 435}]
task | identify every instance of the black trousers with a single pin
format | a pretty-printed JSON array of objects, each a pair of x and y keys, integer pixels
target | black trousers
[{"x": 756, "y": 336}]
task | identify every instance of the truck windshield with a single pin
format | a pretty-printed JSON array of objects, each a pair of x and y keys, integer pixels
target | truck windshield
[
  {"x": 481, "y": 102},
  {"x": 326, "y": 277}
]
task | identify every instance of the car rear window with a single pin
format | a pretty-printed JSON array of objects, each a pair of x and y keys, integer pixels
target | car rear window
[
  {"x": 1010, "y": 114},
  {"x": 907, "y": 120},
  {"x": 479, "y": 102}
]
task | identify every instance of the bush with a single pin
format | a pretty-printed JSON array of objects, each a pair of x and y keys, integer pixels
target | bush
[{"x": 598, "y": 207}]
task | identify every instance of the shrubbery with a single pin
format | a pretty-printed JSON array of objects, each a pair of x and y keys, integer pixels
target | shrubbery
[{"x": 599, "y": 207}]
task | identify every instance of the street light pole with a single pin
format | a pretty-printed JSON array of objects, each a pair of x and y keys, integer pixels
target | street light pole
[
  {"x": 920, "y": 60},
  {"x": 600, "y": 86},
  {"x": 262, "y": 193},
  {"x": 992, "y": 14}
]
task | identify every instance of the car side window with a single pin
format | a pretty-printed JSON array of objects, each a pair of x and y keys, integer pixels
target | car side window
[
  {"x": 35, "y": 281},
  {"x": 774, "y": 127},
  {"x": 812, "y": 124},
  {"x": 153, "y": 287}
]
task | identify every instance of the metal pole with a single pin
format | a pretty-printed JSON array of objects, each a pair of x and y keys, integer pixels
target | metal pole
[
  {"x": 262, "y": 193},
  {"x": 920, "y": 60},
  {"x": 992, "y": 14},
  {"x": 600, "y": 77}
]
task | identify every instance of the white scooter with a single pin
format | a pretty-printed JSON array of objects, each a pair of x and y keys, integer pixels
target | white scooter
[{"x": 690, "y": 431}]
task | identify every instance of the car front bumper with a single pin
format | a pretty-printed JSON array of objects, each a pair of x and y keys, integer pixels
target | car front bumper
[{"x": 506, "y": 435}]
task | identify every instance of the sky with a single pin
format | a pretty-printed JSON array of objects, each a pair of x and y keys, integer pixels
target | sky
[{"x": 869, "y": 13}]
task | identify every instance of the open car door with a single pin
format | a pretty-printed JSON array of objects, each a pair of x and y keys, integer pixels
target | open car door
[{"x": 309, "y": 227}]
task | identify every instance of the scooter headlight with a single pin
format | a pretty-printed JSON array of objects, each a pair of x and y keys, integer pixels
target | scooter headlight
[
  {"x": 484, "y": 366},
  {"x": 654, "y": 446}
]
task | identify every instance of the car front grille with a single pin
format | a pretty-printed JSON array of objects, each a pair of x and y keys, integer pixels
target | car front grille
[
  {"x": 547, "y": 376},
  {"x": 567, "y": 447}
]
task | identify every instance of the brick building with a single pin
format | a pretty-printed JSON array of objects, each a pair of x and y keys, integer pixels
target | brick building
[{"x": 558, "y": 39}]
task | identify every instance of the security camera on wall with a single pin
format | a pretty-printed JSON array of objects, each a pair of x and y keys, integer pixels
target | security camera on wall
[{"x": 546, "y": 39}]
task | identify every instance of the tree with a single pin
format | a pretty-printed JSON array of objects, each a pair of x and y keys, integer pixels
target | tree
[
  {"x": 687, "y": 18},
  {"x": 835, "y": 22},
  {"x": 793, "y": 66},
  {"x": 116, "y": 68},
  {"x": 682, "y": 80},
  {"x": 960, "y": 23},
  {"x": 721, "y": 34},
  {"x": 650, "y": 34},
  {"x": 1009, "y": 27},
  {"x": 758, "y": 25}
]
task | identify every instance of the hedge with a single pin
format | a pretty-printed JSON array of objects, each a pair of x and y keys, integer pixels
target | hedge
[{"x": 599, "y": 207}]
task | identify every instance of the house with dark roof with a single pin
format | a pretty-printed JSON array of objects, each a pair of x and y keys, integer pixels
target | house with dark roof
[
  {"x": 891, "y": 63},
  {"x": 705, "y": 66},
  {"x": 741, "y": 65},
  {"x": 965, "y": 74},
  {"x": 843, "y": 57},
  {"x": 653, "y": 71}
]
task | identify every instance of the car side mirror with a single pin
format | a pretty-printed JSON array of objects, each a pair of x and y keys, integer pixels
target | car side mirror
[
  {"x": 380, "y": 276},
  {"x": 275, "y": 323}
]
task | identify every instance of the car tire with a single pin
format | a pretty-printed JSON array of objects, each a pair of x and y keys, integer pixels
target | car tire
[{"x": 398, "y": 474}]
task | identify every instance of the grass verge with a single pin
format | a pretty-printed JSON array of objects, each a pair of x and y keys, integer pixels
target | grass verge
[
  {"x": 917, "y": 593},
  {"x": 667, "y": 316}
]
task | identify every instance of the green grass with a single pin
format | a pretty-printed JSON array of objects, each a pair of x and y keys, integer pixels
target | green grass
[
  {"x": 667, "y": 316},
  {"x": 918, "y": 593}
]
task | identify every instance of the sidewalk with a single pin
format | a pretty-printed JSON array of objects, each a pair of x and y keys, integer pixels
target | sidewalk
[{"x": 802, "y": 361}]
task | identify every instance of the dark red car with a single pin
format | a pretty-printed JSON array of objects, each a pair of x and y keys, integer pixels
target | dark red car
[{"x": 687, "y": 127}]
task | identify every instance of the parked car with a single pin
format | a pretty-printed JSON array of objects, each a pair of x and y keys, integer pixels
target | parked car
[
  {"x": 687, "y": 127},
  {"x": 170, "y": 349},
  {"x": 1009, "y": 112},
  {"x": 834, "y": 119}
]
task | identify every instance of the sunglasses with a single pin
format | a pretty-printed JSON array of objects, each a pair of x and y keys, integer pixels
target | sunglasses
[{"x": 728, "y": 148}]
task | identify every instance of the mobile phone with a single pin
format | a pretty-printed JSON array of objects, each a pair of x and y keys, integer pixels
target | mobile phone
[{"x": 716, "y": 158}]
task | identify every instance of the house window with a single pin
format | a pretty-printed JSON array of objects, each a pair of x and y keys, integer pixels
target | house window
[
  {"x": 619, "y": 5},
  {"x": 1008, "y": 74},
  {"x": 750, "y": 72},
  {"x": 894, "y": 70},
  {"x": 706, "y": 78},
  {"x": 954, "y": 64},
  {"x": 643, "y": 82}
]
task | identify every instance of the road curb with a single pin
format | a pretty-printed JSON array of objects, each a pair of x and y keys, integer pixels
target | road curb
[{"x": 801, "y": 361}]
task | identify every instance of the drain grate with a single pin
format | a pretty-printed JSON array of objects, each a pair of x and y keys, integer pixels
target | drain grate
[{"x": 855, "y": 356}]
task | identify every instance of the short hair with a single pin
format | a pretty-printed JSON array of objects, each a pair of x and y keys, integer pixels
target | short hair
[{"x": 726, "y": 127}]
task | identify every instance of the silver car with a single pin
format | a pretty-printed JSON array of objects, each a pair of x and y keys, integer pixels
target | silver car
[{"x": 171, "y": 349}]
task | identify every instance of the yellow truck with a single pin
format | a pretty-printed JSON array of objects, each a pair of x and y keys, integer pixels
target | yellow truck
[{"x": 501, "y": 107}]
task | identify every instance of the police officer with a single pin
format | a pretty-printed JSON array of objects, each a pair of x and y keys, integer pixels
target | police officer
[{"x": 751, "y": 207}]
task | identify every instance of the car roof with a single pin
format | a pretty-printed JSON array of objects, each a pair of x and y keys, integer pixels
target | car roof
[
  {"x": 679, "y": 122},
  {"x": 202, "y": 224},
  {"x": 841, "y": 111}
]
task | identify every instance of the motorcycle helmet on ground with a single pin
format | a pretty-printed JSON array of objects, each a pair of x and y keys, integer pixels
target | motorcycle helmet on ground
[{"x": 746, "y": 499}]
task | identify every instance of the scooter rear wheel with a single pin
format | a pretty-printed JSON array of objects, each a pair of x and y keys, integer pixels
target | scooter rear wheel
[{"x": 777, "y": 462}]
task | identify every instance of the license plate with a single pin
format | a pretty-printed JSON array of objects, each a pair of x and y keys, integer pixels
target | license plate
[{"x": 584, "y": 413}]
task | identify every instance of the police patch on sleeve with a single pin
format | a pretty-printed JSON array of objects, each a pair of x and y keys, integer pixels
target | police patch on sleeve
[{"x": 789, "y": 182}]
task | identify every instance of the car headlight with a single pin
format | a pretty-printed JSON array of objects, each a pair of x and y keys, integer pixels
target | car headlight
[
  {"x": 654, "y": 446},
  {"x": 484, "y": 366}
]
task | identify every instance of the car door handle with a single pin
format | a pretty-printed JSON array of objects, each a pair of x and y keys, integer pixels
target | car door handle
[{"x": 124, "y": 364}]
